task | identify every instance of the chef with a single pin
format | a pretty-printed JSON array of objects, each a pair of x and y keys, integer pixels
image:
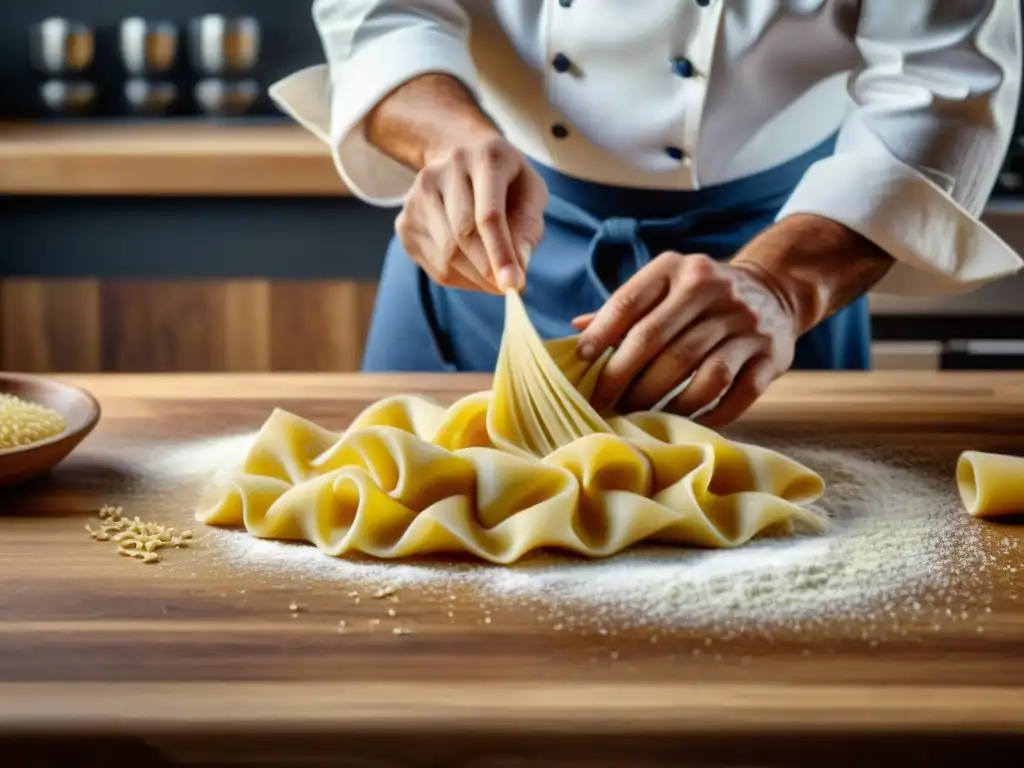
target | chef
[{"x": 708, "y": 187}]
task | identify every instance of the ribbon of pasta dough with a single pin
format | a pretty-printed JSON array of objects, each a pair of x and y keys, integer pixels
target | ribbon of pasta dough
[
  {"x": 497, "y": 474},
  {"x": 991, "y": 485},
  {"x": 540, "y": 393}
]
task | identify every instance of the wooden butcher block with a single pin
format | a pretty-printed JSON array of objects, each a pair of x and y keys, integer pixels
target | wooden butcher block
[{"x": 229, "y": 650}]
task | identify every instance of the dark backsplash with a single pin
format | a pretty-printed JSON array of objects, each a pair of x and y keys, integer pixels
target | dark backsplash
[{"x": 289, "y": 42}]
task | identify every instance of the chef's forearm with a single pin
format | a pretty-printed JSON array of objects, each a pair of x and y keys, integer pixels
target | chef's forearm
[
  {"x": 816, "y": 265},
  {"x": 424, "y": 118}
]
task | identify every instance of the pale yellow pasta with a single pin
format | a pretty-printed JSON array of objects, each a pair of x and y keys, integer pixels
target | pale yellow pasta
[
  {"x": 497, "y": 474},
  {"x": 991, "y": 484}
]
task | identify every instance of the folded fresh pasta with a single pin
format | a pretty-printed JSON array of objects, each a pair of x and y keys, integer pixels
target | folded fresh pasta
[{"x": 497, "y": 474}]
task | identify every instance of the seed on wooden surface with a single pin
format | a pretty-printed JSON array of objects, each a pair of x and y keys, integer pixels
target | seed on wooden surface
[
  {"x": 134, "y": 537},
  {"x": 385, "y": 592},
  {"x": 399, "y": 631},
  {"x": 392, "y": 612}
]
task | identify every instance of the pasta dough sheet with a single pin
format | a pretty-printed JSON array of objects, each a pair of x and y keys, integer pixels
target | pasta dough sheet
[
  {"x": 991, "y": 485},
  {"x": 497, "y": 474}
]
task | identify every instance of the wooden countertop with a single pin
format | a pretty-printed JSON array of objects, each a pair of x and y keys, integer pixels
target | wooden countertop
[
  {"x": 173, "y": 158},
  {"x": 198, "y": 654}
]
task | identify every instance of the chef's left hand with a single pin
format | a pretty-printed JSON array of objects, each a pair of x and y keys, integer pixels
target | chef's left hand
[{"x": 729, "y": 325}]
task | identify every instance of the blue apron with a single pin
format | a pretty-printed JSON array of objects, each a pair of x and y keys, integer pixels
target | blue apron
[{"x": 596, "y": 237}]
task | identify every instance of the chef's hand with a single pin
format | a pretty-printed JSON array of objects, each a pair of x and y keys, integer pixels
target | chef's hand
[
  {"x": 474, "y": 212},
  {"x": 726, "y": 325}
]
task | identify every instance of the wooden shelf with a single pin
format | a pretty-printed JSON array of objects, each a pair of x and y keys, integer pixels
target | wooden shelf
[{"x": 175, "y": 159}]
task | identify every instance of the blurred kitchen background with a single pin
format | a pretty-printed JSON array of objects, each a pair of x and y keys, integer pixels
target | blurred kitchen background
[{"x": 158, "y": 214}]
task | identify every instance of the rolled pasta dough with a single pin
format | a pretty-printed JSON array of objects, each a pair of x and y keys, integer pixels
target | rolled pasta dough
[
  {"x": 991, "y": 484},
  {"x": 497, "y": 474}
]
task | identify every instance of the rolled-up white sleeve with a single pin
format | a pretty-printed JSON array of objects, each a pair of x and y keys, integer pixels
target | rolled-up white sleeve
[
  {"x": 916, "y": 159},
  {"x": 372, "y": 47}
]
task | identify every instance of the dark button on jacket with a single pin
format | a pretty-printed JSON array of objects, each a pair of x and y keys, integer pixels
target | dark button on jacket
[{"x": 682, "y": 66}]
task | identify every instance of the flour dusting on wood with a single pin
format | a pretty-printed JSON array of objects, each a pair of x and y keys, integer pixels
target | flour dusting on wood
[{"x": 899, "y": 545}]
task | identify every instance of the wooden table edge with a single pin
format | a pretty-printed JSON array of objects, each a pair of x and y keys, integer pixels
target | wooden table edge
[{"x": 416, "y": 707}]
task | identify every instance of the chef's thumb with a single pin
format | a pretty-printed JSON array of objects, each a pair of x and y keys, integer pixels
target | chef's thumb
[{"x": 526, "y": 239}]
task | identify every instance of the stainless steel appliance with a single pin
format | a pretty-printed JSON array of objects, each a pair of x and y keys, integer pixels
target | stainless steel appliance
[
  {"x": 68, "y": 98},
  {"x": 220, "y": 46},
  {"x": 60, "y": 47},
  {"x": 144, "y": 97},
  {"x": 226, "y": 98},
  {"x": 148, "y": 47}
]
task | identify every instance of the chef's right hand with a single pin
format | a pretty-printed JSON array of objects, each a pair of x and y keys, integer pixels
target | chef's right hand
[{"x": 473, "y": 215}]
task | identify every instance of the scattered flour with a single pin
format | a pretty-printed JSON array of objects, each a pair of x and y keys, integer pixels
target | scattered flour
[
  {"x": 197, "y": 460},
  {"x": 895, "y": 532},
  {"x": 898, "y": 540}
]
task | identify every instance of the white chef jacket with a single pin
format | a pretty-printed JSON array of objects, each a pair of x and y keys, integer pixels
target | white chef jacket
[{"x": 680, "y": 94}]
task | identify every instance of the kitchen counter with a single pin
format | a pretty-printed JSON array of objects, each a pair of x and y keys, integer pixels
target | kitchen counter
[
  {"x": 198, "y": 656},
  {"x": 164, "y": 158}
]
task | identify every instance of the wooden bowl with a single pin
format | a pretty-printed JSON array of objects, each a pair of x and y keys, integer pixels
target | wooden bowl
[{"x": 80, "y": 410}]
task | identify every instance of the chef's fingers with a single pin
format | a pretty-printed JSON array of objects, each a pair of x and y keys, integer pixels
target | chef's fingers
[
  {"x": 644, "y": 341},
  {"x": 527, "y": 200},
  {"x": 748, "y": 387},
  {"x": 448, "y": 264},
  {"x": 423, "y": 232},
  {"x": 475, "y": 254},
  {"x": 449, "y": 274},
  {"x": 581, "y": 322},
  {"x": 676, "y": 362},
  {"x": 716, "y": 375},
  {"x": 624, "y": 309},
  {"x": 493, "y": 171},
  {"x": 456, "y": 193},
  {"x": 472, "y": 279}
]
